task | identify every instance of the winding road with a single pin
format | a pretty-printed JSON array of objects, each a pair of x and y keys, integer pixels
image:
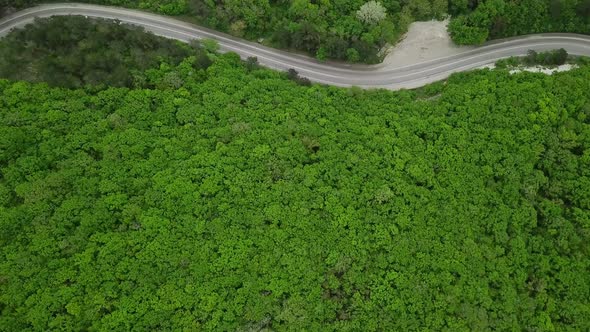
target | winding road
[{"x": 366, "y": 76}]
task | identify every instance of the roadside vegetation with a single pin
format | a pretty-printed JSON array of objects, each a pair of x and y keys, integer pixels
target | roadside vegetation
[
  {"x": 550, "y": 59},
  {"x": 235, "y": 199},
  {"x": 547, "y": 59},
  {"x": 357, "y": 30}
]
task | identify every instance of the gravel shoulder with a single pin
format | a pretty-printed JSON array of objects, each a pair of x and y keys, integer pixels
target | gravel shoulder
[{"x": 424, "y": 41}]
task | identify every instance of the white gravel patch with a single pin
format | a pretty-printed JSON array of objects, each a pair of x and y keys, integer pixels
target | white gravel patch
[
  {"x": 536, "y": 69},
  {"x": 424, "y": 41},
  {"x": 544, "y": 70}
]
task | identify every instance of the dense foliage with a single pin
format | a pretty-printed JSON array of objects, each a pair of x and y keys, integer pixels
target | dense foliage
[
  {"x": 550, "y": 58},
  {"x": 326, "y": 29},
  {"x": 243, "y": 201},
  {"x": 476, "y": 21},
  {"x": 72, "y": 51},
  {"x": 547, "y": 59}
]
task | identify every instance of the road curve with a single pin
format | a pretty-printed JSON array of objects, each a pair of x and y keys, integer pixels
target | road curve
[{"x": 366, "y": 76}]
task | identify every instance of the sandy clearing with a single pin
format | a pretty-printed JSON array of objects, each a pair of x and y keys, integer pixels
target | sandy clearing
[{"x": 424, "y": 41}]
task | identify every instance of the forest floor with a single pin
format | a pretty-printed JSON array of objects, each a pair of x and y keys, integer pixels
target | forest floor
[{"x": 423, "y": 41}]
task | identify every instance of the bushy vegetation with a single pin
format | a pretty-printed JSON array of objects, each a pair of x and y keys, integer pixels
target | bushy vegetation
[
  {"x": 477, "y": 21},
  {"x": 549, "y": 58},
  {"x": 71, "y": 51},
  {"x": 244, "y": 201}
]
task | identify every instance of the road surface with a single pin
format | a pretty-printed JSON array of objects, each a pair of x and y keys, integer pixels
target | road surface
[{"x": 366, "y": 76}]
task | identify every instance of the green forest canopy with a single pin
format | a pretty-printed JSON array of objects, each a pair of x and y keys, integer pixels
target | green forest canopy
[
  {"x": 332, "y": 28},
  {"x": 72, "y": 51},
  {"x": 477, "y": 21},
  {"x": 240, "y": 200}
]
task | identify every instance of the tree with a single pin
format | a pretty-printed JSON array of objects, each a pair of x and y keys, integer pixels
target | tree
[
  {"x": 352, "y": 55},
  {"x": 211, "y": 45},
  {"x": 464, "y": 33},
  {"x": 561, "y": 56},
  {"x": 531, "y": 57},
  {"x": 371, "y": 12},
  {"x": 252, "y": 63},
  {"x": 321, "y": 54},
  {"x": 457, "y": 7},
  {"x": 306, "y": 37}
]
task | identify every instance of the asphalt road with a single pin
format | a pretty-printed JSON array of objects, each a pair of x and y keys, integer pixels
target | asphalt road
[{"x": 373, "y": 76}]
